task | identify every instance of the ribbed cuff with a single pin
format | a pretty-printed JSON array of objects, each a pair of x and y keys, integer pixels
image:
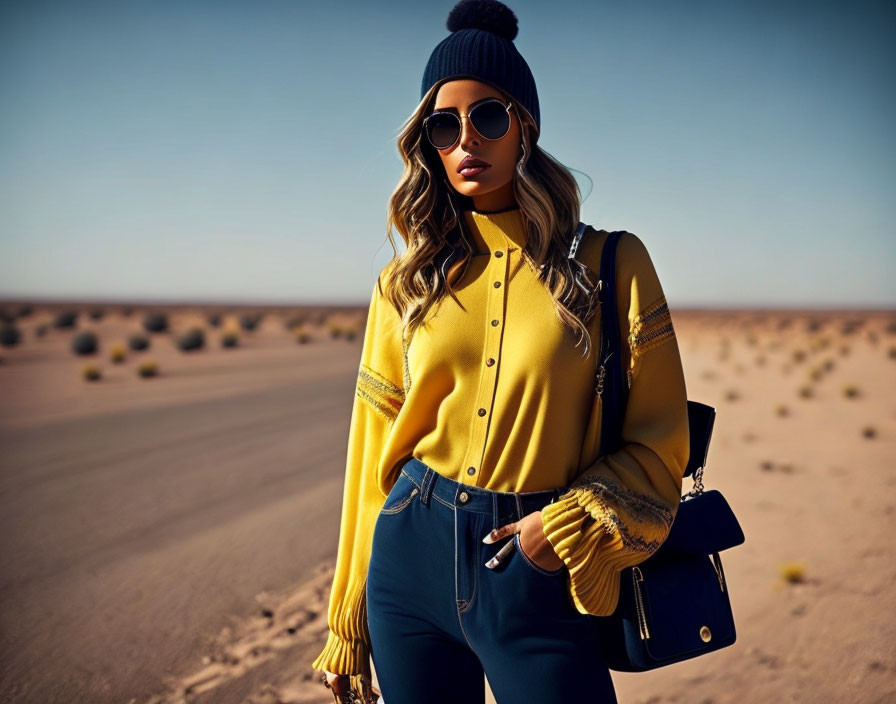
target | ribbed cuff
[
  {"x": 344, "y": 657},
  {"x": 593, "y": 554}
]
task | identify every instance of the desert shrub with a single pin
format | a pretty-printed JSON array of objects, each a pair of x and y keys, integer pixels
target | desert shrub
[
  {"x": 7, "y": 317},
  {"x": 869, "y": 431},
  {"x": 850, "y": 326},
  {"x": 138, "y": 342},
  {"x": 798, "y": 356},
  {"x": 350, "y": 334},
  {"x": 295, "y": 321},
  {"x": 193, "y": 339},
  {"x": 90, "y": 372},
  {"x": 97, "y": 314},
  {"x": 127, "y": 311},
  {"x": 118, "y": 353},
  {"x": 230, "y": 339},
  {"x": 148, "y": 368},
  {"x": 85, "y": 343},
  {"x": 805, "y": 392},
  {"x": 732, "y": 395},
  {"x": 793, "y": 572},
  {"x": 26, "y": 310},
  {"x": 249, "y": 322},
  {"x": 892, "y": 353},
  {"x": 155, "y": 322},
  {"x": 41, "y": 330},
  {"x": 10, "y": 335},
  {"x": 65, "y": 319},
  {"x": 782, "y": 411},
  {"x": 851, "y": 391},
  {"x": 821, "y": 343},
  {"x": 214, "y": 320},
  {"x": 302, "y": 336}
]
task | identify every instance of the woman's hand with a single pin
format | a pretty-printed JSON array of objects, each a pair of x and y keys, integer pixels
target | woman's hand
[
  {"x": 341, "y": 686},
  {"x": 532, "y": 540}
]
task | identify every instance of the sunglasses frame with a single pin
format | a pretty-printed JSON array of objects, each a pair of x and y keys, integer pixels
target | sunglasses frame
[{"x": 460, "y": 119}]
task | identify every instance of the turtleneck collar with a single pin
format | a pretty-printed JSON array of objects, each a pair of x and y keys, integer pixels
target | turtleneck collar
[{"x": 497, "y": 229}]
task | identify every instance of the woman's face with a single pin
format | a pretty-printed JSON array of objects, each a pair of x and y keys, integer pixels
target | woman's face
[{"x": 491, "y": 188}]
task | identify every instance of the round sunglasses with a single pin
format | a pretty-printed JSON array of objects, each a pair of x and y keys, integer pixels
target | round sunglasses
[{"x": 490, "y": 118}]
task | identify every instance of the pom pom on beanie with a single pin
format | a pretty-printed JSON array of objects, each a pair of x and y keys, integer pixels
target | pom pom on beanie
[{"x": 483, "y": 14}]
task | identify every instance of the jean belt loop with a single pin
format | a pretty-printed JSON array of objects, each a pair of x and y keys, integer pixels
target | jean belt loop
[
  {"x": 426, "y": 488},
  {"x": 519, "y": 507}
]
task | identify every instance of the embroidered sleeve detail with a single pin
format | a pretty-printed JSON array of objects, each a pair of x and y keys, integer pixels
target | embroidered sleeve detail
[
  {"x": 598, "y": 528},
  {"x": 609, "y": 499},
  {"x": 405, "y": 343},
  {"x": 385, "y": 397},
  {"x": 650, "y": 329}
]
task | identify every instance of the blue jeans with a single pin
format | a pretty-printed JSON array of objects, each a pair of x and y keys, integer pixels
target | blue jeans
[{"x": 439, "y": 618}]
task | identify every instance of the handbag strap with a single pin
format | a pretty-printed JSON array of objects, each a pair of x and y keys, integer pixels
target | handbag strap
[
  {"x": 609, "y": 378},
  {"x": 613, "y": 391}
]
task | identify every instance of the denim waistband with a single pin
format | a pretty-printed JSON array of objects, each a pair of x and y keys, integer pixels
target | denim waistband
[{"x": 475, "y": 498}]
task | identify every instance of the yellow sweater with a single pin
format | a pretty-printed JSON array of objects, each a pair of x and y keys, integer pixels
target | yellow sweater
[{"x": 494, "y": 394}]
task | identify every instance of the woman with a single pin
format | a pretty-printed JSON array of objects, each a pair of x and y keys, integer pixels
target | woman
[{"x": 481, "y": 534}]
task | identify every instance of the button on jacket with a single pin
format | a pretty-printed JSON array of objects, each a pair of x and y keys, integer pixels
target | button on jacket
[{"x": 494, "y": 393}]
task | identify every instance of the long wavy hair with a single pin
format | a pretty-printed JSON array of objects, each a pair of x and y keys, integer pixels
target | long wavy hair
[{"x": 427, "y": 213}]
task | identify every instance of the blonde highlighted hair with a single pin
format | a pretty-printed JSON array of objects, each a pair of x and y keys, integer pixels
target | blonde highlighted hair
[{"x": 427, "y": 213}]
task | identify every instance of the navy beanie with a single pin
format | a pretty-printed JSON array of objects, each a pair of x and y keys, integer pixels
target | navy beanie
[{"x": 481, "y": 46}]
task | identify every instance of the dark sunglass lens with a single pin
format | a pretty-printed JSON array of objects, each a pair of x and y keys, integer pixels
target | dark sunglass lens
[
  {"x": 491, "y": 119},
  {"x": 442, "y": 130}
]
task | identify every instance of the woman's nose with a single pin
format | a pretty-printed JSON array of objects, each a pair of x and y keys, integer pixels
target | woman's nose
[{"x": 468, "y": 134}]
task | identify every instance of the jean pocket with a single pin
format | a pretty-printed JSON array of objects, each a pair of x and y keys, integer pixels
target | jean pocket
[
  {"x": 532, "y": 565},
  {"x": 401, "y": 495}
]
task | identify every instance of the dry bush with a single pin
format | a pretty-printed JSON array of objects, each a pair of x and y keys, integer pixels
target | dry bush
[
  {"x": 793, "y": 572},
  {"x": 118, "y": 353},
  {"x": 91, "y": 372},
  {"x": 147, "y": 369},
  {"x": 851, "y": 391}
]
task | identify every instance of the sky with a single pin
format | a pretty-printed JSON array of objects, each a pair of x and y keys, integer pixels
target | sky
[{"x": 246, "y": 151}]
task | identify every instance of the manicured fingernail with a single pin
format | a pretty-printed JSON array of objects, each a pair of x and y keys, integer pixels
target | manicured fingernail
[
  {"x": 491, "y": 564},
  {"x": 488, "y": 538}
]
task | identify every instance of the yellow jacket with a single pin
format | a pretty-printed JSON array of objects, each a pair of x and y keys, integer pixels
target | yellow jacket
[{"x": 494, "y": 394}]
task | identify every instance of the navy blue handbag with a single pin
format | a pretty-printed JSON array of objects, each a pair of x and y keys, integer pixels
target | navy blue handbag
[{"x": 674, "y": 605}]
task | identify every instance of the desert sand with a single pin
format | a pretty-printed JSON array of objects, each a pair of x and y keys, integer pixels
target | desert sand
[{"x": 171, "y": 538}]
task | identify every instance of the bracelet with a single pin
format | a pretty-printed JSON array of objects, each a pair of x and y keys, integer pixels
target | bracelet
[{"x": 350, "y": 697}]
